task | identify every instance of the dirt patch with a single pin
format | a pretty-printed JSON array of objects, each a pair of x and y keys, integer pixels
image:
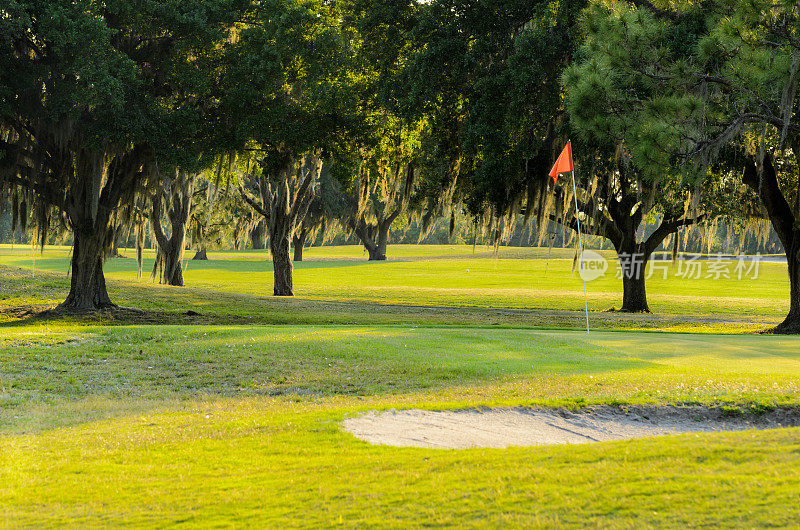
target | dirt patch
[
  {"x": 505, "y": 427},
  {"x": 23, "y": 311}
]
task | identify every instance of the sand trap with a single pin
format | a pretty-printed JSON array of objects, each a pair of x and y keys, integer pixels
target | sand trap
[{"x": 504, "y": 427}]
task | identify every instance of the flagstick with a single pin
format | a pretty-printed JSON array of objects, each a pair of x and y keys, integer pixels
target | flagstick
[{"x": 580, "y": 246}]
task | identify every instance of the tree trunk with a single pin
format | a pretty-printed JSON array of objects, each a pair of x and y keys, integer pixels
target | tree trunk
[
  {"x": 375, "y": 253},
  {"x": 115, "y": 247},
  {"x": 634, "y": 295},
  {"x": 87, "y": 290},
  {"x": 765, "y": 184},
  {"x": 171, "y": 261},
  {"x": 366, "y": 234},
  {"x": 791, "y": 324},
  {"x": 258, "y": 234},
  {"x": 374, "y": 237},
  {"x": 633, "y": 264},
  {"x": 374, "y": 240},
  {"x": 177, "y": 276},
  {"x": 281, "y": 264},
  {"x": 178, "y": 194},
  {"x": 90, "y": 205},
  {"x": 200, "y": 255},
  {"x": 379, "y": 251},
  {"x": 285, "y": 200},
  {"x": 298, "y": 241}
]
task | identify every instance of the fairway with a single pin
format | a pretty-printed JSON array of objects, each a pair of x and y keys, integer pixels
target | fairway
[{"x": 233, "y": 417}]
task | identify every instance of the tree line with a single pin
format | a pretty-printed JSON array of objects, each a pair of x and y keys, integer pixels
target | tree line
[{"x": 210, "y": 119}]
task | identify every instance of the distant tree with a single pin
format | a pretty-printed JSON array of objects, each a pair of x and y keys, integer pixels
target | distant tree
[
  {"x": 218, "y": 217},
  {"x": 206, "y": 225},
  {"x": 381, "y": 199},
  {"x": 381, "y": 163},
  {"x": 325, "y": 213},
  {"x": 381, "y": 184},
  {"x": 293, "y": 73},
  {"x": 174, "y": 201},
  {"x": 286, "y": 192},
  {"x": 258, "y": 236}
]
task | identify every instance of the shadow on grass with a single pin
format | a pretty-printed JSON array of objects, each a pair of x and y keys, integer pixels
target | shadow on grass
[{"x": 151, "y": 364}]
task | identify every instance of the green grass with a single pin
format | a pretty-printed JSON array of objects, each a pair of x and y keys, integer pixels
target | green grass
[
  {"x": 232, "y": 418},
  {"x": 150, "y": 425},
  {"x": 337, "y": 287}
]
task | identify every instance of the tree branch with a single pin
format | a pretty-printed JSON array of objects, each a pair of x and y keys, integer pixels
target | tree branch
[
  {"x": 300, "y": 197},
  {"x": 572, "y": 224},
  {"x": 765, "y": 184},
  {"x": 155, "y": 220},
  {"x": 253, "y": 204},
  {"x": 667, "y": 227}
]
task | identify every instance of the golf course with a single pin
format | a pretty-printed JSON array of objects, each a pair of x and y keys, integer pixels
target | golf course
[
  {"x": 219, "y": 405},
  {"x": 399, "y": 264}
]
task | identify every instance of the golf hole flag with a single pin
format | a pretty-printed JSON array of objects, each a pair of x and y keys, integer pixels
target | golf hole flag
[{"x": 563, "y": 164}]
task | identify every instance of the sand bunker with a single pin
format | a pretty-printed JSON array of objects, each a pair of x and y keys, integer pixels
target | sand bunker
[{"x": 504, "y": 427}]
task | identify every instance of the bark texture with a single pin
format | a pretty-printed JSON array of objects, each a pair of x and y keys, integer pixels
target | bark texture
[
  {"x": 99, "y": 183},
  {"x": 634, "y": 295},
  {"x": 87, "y": 291},
  {"x": 282, "y": 265},
  {"x": 633, "y": 259}
]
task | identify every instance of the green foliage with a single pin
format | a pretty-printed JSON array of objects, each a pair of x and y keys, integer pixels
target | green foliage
[
  {"x": 623, "y": 90},
  {"x": 290, "y": 87},
  {"x": 685, "y": 87},
  {"x": 486, "y": 74}
]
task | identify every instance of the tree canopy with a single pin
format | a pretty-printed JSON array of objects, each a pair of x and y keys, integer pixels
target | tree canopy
[{"x": 357, "y": 113}]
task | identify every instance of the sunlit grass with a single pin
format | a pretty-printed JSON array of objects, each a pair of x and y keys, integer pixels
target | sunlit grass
[
  {"x": 51, "y": 362},
  {"x": 517, "y": 278}
]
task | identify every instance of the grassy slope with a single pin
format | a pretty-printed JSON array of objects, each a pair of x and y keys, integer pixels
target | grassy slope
[{"x": 215, "y": 424}]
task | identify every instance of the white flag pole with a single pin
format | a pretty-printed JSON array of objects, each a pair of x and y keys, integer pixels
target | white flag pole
[{"x": 580, "y": 247}]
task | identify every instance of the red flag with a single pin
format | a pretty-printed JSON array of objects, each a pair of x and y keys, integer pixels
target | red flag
[{"x": 563, "y": 164}]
